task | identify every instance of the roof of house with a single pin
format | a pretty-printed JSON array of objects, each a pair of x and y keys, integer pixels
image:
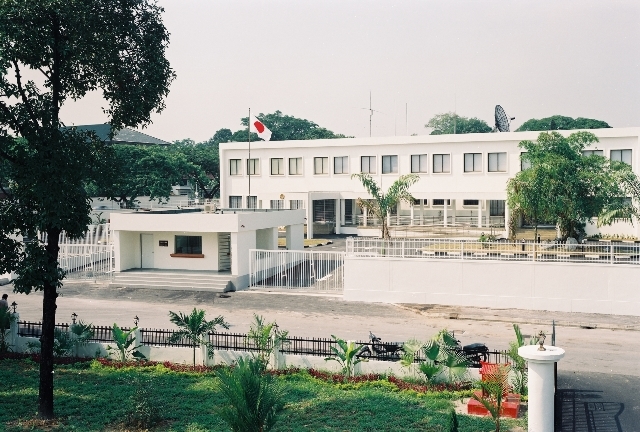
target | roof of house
[{"x": 123, "y": 136}]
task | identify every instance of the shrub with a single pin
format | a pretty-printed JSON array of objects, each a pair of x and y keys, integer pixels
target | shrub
[{"x": 144, "y": 410}]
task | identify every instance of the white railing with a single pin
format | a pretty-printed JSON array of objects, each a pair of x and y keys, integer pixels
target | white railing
[
  {"x": 318, "y": 271},
  {"x": 86, "y": 261},
  {"x": 426, "y": 221},
  {"x": 452, "y": 249},
  {"x": 95, "y": 234}
]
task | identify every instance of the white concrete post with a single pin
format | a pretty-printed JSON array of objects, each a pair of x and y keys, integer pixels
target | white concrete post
[
  {"x": 453, "y": 215},
  {"x": 411, "y": 221},
  {"x": 479, "y": 213},
  {"x": 338, "y": 211},
  {"x": 421, "y": 212},
  {"x": 343, "y": 213},
  {"x": 445, "y": 213},
  {"x": 310, "y": 219},
  {"x": 541, "y": 385},
  {"x": 506, "y": 220},
  {"x": 364, "y": 217},
  {"x": 13, "y": 332}
]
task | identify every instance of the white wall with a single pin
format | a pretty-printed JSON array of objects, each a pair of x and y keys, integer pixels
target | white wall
[
  {"x": 566, "y": 287},
  {"x": 164, "y": 260},
  {"x": 126, "y": 250},
  {"x": 241, "y": 243}
]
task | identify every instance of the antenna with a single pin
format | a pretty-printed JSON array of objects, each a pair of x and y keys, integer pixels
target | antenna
[
  {"x": 502, "y": 120},
  {"x": 371, "y": 111}
]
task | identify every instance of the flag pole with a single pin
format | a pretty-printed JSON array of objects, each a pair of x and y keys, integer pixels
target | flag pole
[{"x": 249, "y": 160}]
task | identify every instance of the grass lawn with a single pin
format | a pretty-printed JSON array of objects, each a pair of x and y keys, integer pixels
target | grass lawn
[{"x": 91, "y": 397}]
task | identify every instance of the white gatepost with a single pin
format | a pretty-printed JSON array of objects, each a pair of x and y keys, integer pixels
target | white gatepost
[{"x": 541, "y": 385}]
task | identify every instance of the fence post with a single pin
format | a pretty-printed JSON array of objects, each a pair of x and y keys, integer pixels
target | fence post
[
  {"x": 13, "y": 331},
  {"x": 462, "y": 250},
  {"x": 611, "y": 252}
]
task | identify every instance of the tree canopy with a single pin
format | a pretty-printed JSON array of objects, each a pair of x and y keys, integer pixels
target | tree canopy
[
  {"x": 558, "y": 122},
  {"x": 74, "y": 47},
  {"x": 203, "y": 164},
  {"x": 449, "y": 123},
  {"x": 566, "y": 186}
]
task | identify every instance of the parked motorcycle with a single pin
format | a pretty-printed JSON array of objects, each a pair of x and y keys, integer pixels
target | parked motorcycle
[{"x": 380, "y": 350}]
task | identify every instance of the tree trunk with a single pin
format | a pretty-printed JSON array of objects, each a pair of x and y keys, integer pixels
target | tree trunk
[{"x": 45, "y": 395}]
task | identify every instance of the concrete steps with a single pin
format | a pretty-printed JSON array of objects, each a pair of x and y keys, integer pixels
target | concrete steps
[{"x": 175, "y": 280}]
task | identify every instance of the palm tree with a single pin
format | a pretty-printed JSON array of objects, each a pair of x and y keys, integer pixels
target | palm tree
[
  {"x": 382, "y": 203},
  {"x": 194, "y": 328}
]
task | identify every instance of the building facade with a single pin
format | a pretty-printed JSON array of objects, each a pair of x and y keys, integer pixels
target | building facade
[{"x": 462, "y": 177}]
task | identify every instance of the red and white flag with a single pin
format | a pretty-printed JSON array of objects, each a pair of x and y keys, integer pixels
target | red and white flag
[{"x": 258, "y": 127}]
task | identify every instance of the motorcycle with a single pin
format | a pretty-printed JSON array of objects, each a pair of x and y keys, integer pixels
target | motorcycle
[{"x": 380, "y": 350}]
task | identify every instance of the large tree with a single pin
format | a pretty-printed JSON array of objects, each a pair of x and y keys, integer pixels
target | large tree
[
  {"x": 558, "y": 122},
  {"x": 450, "y": 123},
  {"x": 203, "y": 164},
  {"x": 52, "y": 51},
  {"x": 568, "y": 187}
]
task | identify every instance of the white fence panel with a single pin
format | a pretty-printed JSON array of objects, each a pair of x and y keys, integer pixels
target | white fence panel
[
  {"x": 320, "y": 271},
  {"x": 86, "y": 261}
]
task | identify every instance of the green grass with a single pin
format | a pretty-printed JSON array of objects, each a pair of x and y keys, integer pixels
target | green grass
[{"x": 96, "y": 399}]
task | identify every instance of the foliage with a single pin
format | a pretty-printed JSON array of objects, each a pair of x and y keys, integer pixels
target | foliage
[
  {"x": 494, "y": 388},
  {"x": 126, "y": 348},
  {"x": 382, "y": 203},
  {"x": 253, "y": 398},
  {"x": 453, "y": 420},
  {"x": 443, "y": 357},
  {"x": 203, "y": 165},
  {"x": 71, "y": 48},
  {"x": 568, "y": 187},
  {"x": 558, "y": 122},
  {"x": 285, "y": 127},
  {"x": 267, "y": 337},
  {"x": 144, "y": 409},
  {"x": 6, "y": 318},
  {"x": 519, "y": 365},
  {"x": 345, "y": 354},
  {"x": 63, "y": 343},
  {"x": 449, "y": 123},
  {"x": 195, "y": 328}
]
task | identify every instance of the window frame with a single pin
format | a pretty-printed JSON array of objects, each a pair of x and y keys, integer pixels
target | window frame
[
  {"x": 621, "y": 151},
  {"x": 391, "y": 159},
  {"x": 281, "y": 166},
  {"x": 369, "y": 159},
  {"x": 498, "y": 170},
  {"x": 324, "y": 165},
  {"x": 344, "y": 162},
  {"x": 194, "y": 250},
  {"x": 441, "y": 155},
  {"x": 433, "y": 202},
  {"x": 590, "y": 152},
  {"x": 253, "y": 166},
  {"x": 478, "y": 162},
  {"x": 299, "y": 166},
  {"x": 419, "y": 159},
  {"x": 237, "y": 198},
  {"x": 237, "y": 164}
]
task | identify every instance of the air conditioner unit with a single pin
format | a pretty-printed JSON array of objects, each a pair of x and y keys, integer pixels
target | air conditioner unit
[{"x": 209, "y": 208}]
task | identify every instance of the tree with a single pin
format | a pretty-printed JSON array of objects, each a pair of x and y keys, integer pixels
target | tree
[
  {"x": 558, "y": 122},
  {"x": 382, "y": 203},
  {"x": 567, "y": 186},
  {"x": 74, "y": 46},
  {"x": 450, "y": 123},
  {"x": 195, "y": 328},
  {"x": 143, "y": 171},
  {"x": 204, "y": 164},
  {"x": 267, "y": 337},
  {"x": 527, "y": 196},
  {"x": 284, "y": 128}
]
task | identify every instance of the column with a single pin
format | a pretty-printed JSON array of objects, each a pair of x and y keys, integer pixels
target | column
[
  {"x": 398, "y": 209},
  {"x": 541, "y": 385},
  {"x": 364, "y": 216},
  {"x": 241, "y": 242},
  {"x": 339, "y": 212},
  {"x": 479, "y": 213},
  {"x": 444, "y": 223},
  {"x": 295, "y": 237},
  {"x": 506, "y": 220},
  {"x": 310, "y": 219},
  {"x": 411, "y": 221},
  {"x": 354, "y": 213},
  {"x": 453, "y": 213},
  {"x": 421, "y": 212}
]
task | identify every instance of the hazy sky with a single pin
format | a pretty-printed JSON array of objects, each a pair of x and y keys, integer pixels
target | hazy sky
[{"x": 319, "y": 59}]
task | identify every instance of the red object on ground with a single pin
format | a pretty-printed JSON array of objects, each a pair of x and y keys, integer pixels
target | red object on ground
[{"x": 510, "y": 406}]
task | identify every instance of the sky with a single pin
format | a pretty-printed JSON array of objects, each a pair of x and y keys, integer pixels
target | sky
[{"x": 320, "y": 60}]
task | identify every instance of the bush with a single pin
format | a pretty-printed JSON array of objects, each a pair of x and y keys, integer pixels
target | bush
[{"x": 144, "y": 409}]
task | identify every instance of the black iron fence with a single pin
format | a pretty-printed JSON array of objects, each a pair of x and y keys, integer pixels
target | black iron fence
[{"x": 387, "y": 351}]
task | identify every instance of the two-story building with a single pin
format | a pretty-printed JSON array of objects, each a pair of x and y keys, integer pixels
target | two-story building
[{"x": 462, "y": 177}]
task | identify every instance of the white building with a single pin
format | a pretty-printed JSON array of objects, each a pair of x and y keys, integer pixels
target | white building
[
  {"x": 469, "y": 172},
  {"x": 198, "y": 242}
]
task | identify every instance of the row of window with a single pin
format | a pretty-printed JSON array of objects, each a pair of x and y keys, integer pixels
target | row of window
[
  {"x": 441, "y": 163},
  {"x": 235, "y": 201}
]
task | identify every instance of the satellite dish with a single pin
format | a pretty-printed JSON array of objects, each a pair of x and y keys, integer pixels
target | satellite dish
[{"x": 502, "y": 120}]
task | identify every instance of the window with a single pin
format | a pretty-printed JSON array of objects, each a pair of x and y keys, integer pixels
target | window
[
  {"x": 592, "y": 152},
  {"x": 441, "y": 163},
  {"x": 252, "y": 202},
  {"x": 439, "y": 202},
  {"x": 621, "y": 156},
  {"x": 191, "y": 245},
  {"x": 473, "y": 162},
  {"x": 418, "y": 201},
  {"x": 277, "y": 204},
  {"x": 389, "y": 164},
  {"x": 341, "y": 165},
  {"x": 296, "y": 204},
  {"x": 497, "y": 162},
  {"x": 277, "y": 166},
  {"x": 235, "y": 166},
  {"x": 295, "y": 166},
  {"x": 368, "y": 164},
  {"x": 321, "y": 165},
  {"x": 235, "y": 202},
  {"x": 419, "y": 163},
  {"x": 524, "y": 163},
  {"x": 470, "y": 203},
  {"x": 253, "y": 166}
]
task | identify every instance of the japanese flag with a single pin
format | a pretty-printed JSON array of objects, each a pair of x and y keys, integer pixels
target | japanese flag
[{"x": 258, "y": 127}]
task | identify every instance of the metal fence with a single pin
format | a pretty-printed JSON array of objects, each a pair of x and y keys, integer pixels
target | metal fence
[
  {"x": 161, "y": 337},
  {"x": 451, "y": 249},
  {"x": 319, "y": 271},
  {"x": 87, "y": 261},
  {"x": 426, "y": 221}
]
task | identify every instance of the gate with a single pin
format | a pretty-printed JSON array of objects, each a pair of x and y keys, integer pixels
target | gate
[{"x": 314, "y": 271}]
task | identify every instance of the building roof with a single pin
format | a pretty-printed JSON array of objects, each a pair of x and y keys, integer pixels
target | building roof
[{"x": 123, "y": 136}]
